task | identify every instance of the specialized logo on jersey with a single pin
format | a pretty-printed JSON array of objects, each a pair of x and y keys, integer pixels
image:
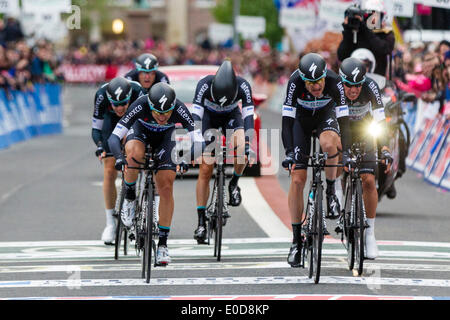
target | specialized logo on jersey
[
  {"x": 163, "y": 101},
  {"x": 118, "y": 92},
  {"x": 222, "y": 101},
  {"x": 313, "y": 69},
  {"x": 355, "y": 73}
]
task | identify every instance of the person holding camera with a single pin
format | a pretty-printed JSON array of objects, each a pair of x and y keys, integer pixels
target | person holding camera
[{"x": 366, "y": 28}]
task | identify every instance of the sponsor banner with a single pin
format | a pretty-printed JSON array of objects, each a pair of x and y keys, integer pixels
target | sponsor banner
[
  {"x": 24, "y": 115},
  {"x": 91, "y": 73},
  {"x": 429, "y": 146},
  {"x": 419, "y": 141}
]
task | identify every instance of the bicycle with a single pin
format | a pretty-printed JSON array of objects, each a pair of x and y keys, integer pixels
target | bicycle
[
  {"x": 353, "y": 216},
  {"x": 312, "y": 234},
  {"x": 145, "y": 221},
  {"x": 217, "y": 211}
]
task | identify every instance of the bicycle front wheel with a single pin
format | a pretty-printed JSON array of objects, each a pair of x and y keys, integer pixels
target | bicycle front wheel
[
  {"x": 317, "y": 236},
  {"x": 121, "y": 232},
  {"x": 149, "y": 243},
  {"x": 358, "y": 232},
  {"x": 219, "y": 218},
  {"x": 348, "y": 229}
]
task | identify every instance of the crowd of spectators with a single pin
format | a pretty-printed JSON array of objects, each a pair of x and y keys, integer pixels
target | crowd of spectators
[
  {"x": 271, "y": 65},
  {"x": 424, "y": 69},
  {"x": 21, "y": 65}
]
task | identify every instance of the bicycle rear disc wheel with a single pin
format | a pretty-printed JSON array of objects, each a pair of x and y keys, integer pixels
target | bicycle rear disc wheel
[{"x": 359, "y": 229}]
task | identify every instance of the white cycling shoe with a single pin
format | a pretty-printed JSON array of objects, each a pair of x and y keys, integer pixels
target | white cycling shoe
[
  {"x": 127, "y": 213},
  {"x": 109, "y": 234},
  {"x": 371, "y": 249},
  {"x": 162, "y": 256}
]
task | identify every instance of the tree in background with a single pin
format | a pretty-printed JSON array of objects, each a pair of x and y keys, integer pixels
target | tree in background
[{"x": 223, "y": 13}]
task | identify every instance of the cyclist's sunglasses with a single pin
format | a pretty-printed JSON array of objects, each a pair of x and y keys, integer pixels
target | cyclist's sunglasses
[{"x": 310, "y": 82}]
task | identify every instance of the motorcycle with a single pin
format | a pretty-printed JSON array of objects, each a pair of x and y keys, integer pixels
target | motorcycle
[{"x": 398, "y": 136}]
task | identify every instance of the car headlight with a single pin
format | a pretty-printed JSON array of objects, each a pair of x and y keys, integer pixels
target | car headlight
[{"x": 375, "y": 129}]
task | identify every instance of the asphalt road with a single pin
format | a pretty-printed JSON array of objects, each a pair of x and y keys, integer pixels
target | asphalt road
[{"x": 51, "y": 219}]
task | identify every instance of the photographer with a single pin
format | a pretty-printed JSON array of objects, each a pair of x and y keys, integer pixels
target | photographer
[{"x": 357, "y": 34}]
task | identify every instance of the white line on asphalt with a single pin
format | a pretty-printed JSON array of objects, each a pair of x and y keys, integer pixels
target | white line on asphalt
[
  {"x": 217, "y": 266},
  {"x": 257, "y": 207},
  {"x": 366, "y": 281}
]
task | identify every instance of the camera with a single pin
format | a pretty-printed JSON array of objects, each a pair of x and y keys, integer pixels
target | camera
[{"x": 353, "y": 22}]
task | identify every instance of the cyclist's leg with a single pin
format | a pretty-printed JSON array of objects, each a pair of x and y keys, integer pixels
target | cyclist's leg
[
  {"x": 370, "y": 197},
  {"x": 238, "y": 144},
  {"x": 164, "y": 179},
  {"x": 328, "y": 130},
  {"x": 109, "y": 195},
  {"x": 134, "y": 148}
]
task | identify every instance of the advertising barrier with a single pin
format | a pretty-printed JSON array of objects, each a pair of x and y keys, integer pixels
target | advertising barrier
[
  {"x": 91, "y": 73},
  {"x": 24, "y": 115},
  {"x": 429, "y": 152}
]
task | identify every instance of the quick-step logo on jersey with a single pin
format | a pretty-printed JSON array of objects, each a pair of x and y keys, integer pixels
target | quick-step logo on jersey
[
  {"x": 357, "y": 111},
  {"x": 155, "y": 127},
  {"x": 313, "y": 104},
  {"x": 214, "y": 107}
]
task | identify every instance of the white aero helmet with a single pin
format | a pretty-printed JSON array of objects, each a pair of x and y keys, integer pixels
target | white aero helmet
[{"x": 366, "y": 56}]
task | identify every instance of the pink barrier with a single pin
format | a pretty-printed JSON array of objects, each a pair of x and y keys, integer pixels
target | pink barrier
[{"x": 90, "y": 73}]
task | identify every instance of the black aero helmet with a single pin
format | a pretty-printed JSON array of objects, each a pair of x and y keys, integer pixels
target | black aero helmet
[
  {"x": 224, "y": 87},
  {"x": 161, "y": 97},
  {"x": 352, "y": 71},
  {"x": 312, "y": 67},
  {"x": 118, "y": 91},
  {"x": 146, "y": 62}
]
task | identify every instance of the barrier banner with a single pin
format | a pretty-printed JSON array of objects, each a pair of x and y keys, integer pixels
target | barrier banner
[
  {"x": 419, "y": 140},
  {"x": 436, "y": 149},
  {"x": 445, "y": 182},
  {"x": 426, "y": 152},
  {"x": 91, "y": 73},
  {"x": 440, "y": 165},
  {"x": 24, "y": 115}
]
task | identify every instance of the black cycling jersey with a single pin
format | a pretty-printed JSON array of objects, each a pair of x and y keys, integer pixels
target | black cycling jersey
[
  {"x": 140, "y": 112},
  {"x": 159, "y": 77},
  {"x": 302, "y": 112},
  {"x": 361, "y": 111},
  {"x": 104, "y": 118},
  {"x": 228, "y": 110}
]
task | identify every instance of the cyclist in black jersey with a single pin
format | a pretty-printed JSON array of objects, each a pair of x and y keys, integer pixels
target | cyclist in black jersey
[
  {"x": 216, "y": 105},
  {"x": 313, "y": 92},
  {"x": 365, "y": 111},
  {"x": 146, "y": 72},
  {"x": 151, "y": 120},
  {"x": 110, "y": 104}
]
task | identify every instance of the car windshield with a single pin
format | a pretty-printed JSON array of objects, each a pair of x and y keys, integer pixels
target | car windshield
[{"x": 185, "y": 90}]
